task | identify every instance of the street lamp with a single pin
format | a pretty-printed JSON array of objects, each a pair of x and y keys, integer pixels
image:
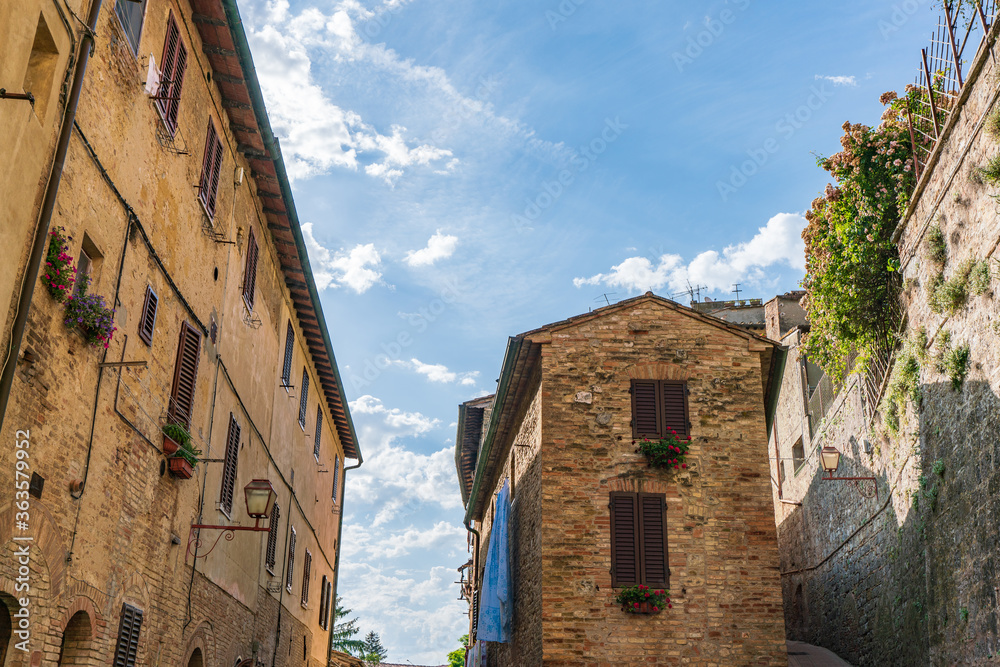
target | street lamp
[
  {"x": 259, "y": 496},
  {"x": 829, "y": 458}
]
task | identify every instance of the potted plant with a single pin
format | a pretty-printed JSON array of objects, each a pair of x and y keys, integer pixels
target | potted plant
[
  {"x": 58, "y": 274},
  {"x": 667, "y": 452},
  {"x": 173, "y": 436},
  {"x": 89, "y": 314},
  {"x": 643, "y": 600},
  {"x": 182, "y": 455}
]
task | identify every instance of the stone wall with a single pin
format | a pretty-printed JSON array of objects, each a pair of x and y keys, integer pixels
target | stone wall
[{"x": 910, "y": 577}]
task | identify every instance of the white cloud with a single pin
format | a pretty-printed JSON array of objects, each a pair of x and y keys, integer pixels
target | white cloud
[
  {"x": 778, "y": 242},
  {"x": 443, "y": 536},
  {"x": 439, "y": 246},
  {"x": 838, "y": 80},
  {"x": 439, "y": 372},
  {"x": 359, "y": 268},
  {"x": 413, "y": 423}
]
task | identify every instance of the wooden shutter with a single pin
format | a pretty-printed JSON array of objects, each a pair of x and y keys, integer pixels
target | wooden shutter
[
  {"x": 229, "y": 466},
  {"x": 147, "y": 320},
  {"x": 286, "y": 369},
  {"x": 322, "y": 602},
  {"x": 272, "y": 538},
  {"x": 185, "y": 374},
  {"x": 336, "y": 478},
  {"x": 674, "y": 401},
  {"x": 303, "y": 397},
  {"x": 653, "y": 538},
  {"x": 172, "y": 76},
  {"x": 208, "y": 188},
  {"x": 624, "y": 540},
  {"x": 128, "y": 636},
  {"x": 290, "y": 565},
  {"x": 645, "y": 399},
  {"x": 250, "y": 271},
  {"x": 306, "y": 572},
  {"x": 319, "y": 430}
]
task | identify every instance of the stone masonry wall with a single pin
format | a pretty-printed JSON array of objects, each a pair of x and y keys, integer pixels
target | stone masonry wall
[
  {"x": 910, "y": 578},
  {"x": 722, "y": 546}
]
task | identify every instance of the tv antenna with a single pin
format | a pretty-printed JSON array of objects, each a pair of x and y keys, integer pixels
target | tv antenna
[{"x": 737, "y": 290}]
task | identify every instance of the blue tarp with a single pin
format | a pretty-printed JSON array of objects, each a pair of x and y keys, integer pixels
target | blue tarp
[{"x": 494, "y": 598}]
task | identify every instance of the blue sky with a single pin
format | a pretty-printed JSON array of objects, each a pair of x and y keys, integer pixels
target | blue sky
[{"x": 466, "y": 171}]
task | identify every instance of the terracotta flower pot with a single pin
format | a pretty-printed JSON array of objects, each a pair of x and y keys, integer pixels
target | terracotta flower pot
[
  {"x": 170, "y": 446},
  {"x": 180, "y": 467},
  {"x": 643, "y": 608}
]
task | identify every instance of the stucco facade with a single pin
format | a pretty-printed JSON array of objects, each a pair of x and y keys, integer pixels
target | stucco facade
[
  {"x": 109, "y": 530},
  {"x": 561, "y": 432}
]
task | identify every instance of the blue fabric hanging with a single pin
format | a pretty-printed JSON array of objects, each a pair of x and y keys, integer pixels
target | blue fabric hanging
[{"x": 494, "y": 598}]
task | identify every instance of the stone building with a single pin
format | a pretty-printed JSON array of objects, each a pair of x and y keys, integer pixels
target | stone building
[
  {"x": 560, "y": 437},
  {"x": 177, "y": 212},
  {"x": 901, "y": 570}
]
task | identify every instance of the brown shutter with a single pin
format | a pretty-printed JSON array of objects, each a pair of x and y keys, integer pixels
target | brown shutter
[
  {"x": 675, "y": 412},
  {"x": 216, "y": 170},
  {"x": 319, "y": 429},
  {"x": 147, "y": 321},
  {"x": 185, "y": 374},
  {"x": 208, "y": 187},
  {"x": 272, "y": 538},
  {"x": 128, "y": 636},
  {"x": 653, "y": 532},
  {"x": 229, "y": 466},
  {"x": 290, "y": 565},
  {"x": 336, "y": 478},
  {"x": 306, "y": 572},
  {"x": 250, "y": 271},
  {"x": 174, "y": 103},
  {"x": 645, "y": 399},
  {"x": 322, "y": 602},
  {"x": 170, "y": 43},
  {"x": 303, "y": 397},
  {"x": 286, "y": 369},
  {"x": 624, "y": 540}
]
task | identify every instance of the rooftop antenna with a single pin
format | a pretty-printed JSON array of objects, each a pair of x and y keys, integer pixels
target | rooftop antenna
[
  {"x": 605, "y": 297},
  {"x": 737, "y": 290}
]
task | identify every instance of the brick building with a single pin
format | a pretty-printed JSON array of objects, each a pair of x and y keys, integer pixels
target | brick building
[
  {"x": 560, "y": 436},
  {"x": 178, "y": 213}
]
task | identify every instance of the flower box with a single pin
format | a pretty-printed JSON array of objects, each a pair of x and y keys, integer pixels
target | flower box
[
  {"x": 181, "y": 467},
  {"x": 641, "y": 608},
  {"x": 641, "y": 599},
  {"x": 170, "y": 446}
]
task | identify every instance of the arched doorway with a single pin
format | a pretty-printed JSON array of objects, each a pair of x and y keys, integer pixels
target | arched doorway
[
  {"x": 6, "y": 629},
  {"x": 197, "y": 660},
  {"x": 76, "y": 640}
]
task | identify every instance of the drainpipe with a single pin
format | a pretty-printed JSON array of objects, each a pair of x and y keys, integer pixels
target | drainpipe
[
  {"x": 474, "y": 575},
  {"x": 45, "y": 217},
  {"x": 336, "y": 559}
]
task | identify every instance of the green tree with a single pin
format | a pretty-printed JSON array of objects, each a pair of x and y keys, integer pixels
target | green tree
[
  {"x": 373, "y": 652},
  {"x": 457, "y": 657},
  {"x": 342, "y": 637}
]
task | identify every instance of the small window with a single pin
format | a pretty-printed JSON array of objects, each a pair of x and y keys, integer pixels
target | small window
[
  {"x": 174, "y": 64},
  {"x": 229, "y": 466},
  {"x": 272, "y": 538},
  {"x": 185, "y": 374},
  {"x": 83, "y": 267},
  {"x": 303, "y": 397},
  {"x": 319, "y": 430},
  {"x": 659, "y": 407},
  {"x": 639, "y": 540},
  {"x": 42, "y": 62},
  {"x": 286, "y": 368},
  {"x": 208, "y": 187},
  {"x": 336, "y": 479},
  {"x": 798, "y": 455},
  {"x": 323, "y": 608},
  {"x": 131, "y": 13},
  {"x": 147, "y": 320},
  {"x": 250, "y": 272},
  {"x": 306, "y": 572},
  {"x": 290, "y": 565},
  {"x": 127, "y": 646}
]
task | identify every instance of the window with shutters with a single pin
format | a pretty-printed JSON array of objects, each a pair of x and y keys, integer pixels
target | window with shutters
[
  {"x": 303, "y": 398},
  {"x": 185, "y": 374},
  {"x": 272, "y": 538},
  {"x": 290, "y": 565},
  {"x": 173, "y": 66},
  {"x": 286, "y": 368},
  {"x": 659, "y": 406},
  {"x": 319, "y": 431},
  {"x": 130, "y": 14},
  {"x": 229, "y": 466},
  {"x": 208, "y": 187},
  {"x": 336, "y": 479},
  {"x": 147, "y": 319},
  {"x": 639, "y": 540},
  {"x": 128, "y": 636},
  {"x": 250, "y": 271},
  {"x": 322, "y": 602},
  {"x": 306, "y": 571}
]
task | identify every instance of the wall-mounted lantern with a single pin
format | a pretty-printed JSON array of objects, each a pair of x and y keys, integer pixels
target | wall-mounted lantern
[
  {"x": 259, "y": 496},
  {"x": 829, "y": 458}
]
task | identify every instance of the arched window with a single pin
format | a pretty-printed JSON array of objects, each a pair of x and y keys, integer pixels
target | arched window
[{"x": 75, "y": 648}]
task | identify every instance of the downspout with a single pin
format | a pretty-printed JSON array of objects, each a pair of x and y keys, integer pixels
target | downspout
[
  {"x": 336, "y": 558},
  {"x": 45, "y": 217}
]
